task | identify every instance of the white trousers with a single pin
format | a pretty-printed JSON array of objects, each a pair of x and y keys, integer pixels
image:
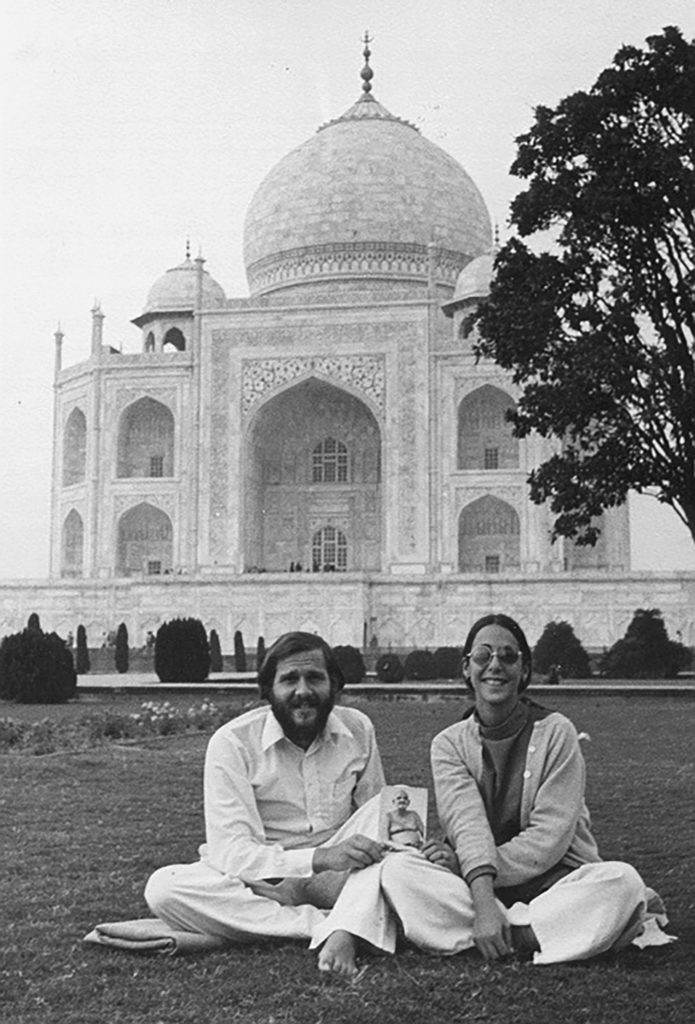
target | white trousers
[
  {"x": 580, "y": 916},
  {"x": 197, "y": 898}
]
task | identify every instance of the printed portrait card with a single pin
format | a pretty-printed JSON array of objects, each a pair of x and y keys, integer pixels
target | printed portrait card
[{"x": 403, "y": 817}]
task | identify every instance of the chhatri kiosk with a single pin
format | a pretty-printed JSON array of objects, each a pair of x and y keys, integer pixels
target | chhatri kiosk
[{"x": 325, "y": 453}]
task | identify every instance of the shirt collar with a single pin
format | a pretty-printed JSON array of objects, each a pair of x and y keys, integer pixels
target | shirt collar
[{"x": 272, "y": 730}]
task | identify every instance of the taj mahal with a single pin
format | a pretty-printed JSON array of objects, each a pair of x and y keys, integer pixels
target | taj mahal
[{"x": 327, "y": 452}]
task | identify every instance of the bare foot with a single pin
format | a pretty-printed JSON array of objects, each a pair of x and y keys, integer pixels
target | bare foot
[{"x": 337, "y": 954}]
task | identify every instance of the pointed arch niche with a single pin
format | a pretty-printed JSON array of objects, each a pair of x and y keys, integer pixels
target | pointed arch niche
[
  {"x": 146, "y": 440},
  {"x": 74, "y": 448},
  {"x": 145, "y": 542},
  {"x": 488, "y": 536},
  {"x": 312, "y": 460},
  {"x": 484, "y": 438},
  {"x": 72, "y": 545}
]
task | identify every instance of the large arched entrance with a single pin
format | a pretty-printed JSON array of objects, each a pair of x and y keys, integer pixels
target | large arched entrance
[
  {"x": 313, "y": 482},
  {"x": 144, "y": 542},
  {"x": 488, "y": 536}
]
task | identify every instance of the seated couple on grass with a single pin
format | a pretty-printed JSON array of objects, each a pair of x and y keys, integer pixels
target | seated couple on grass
[{"x": 292, "y": 820}]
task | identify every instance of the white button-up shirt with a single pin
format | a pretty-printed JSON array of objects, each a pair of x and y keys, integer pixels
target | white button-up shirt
[{"x": 269, "y": 804}]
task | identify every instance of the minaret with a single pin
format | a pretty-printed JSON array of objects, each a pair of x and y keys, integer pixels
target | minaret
[
  {"x": 58, "y": 364},
  {"x": 97, "y": 328}
]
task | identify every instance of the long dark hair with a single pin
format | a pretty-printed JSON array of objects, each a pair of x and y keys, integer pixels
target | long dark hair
[
  {"x": 498, "y": 619},
  {"x": 297, "y": 643}
]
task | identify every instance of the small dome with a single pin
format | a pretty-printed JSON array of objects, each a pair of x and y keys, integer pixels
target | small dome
[
  {"x": 364, "y": 197},
  {"x": 474, "y": 280},
  {"x": 176, "y": 291}
]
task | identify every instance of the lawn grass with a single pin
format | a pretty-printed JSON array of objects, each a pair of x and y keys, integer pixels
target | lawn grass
[{"x": 84, "y": 830}]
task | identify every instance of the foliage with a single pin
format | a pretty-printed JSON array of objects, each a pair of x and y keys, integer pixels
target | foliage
[
  {"x": 559, "y": 647},
  {"x": 36, "y": 668},
  {"x": 351, "y": 662},
  {"x": 82, "y": 664},
  {"x": 239, "y": 652},
  {"x": 122, "y": 654},
  {"x": 645, "y": 651},
  {"x": 389, "y": 668},
  {"x": 447, "y": 662},
  {"x": 420, "y": 665},
  {"x": 216, "y": 663},
  {"x": 181, "y": 653},
  {"x": 33, "y": 622},
  {"x": 600, "y": 332},
  {"x": 260, "y": 652}
]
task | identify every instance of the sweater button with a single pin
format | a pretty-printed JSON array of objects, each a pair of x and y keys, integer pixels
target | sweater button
[
  {"x": 532, "y": 750},
  {"x": 527, "y": 775}
]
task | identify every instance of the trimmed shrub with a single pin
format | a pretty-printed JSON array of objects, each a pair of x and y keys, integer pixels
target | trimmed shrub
[
  {"x": 82, "y": 653},
  {"x": 389, "y": 668},
  {"x": 559, "y": 651},
  {"x": 181, "y": 652},
  {"x": 33, "y": 623},
  {"x": 239, "y": 652},
  {"x": 448, "y": 662},
  {"x": 645, "y": 652},
  {"x": 216, "y": 664},
  {"x": 36, "y": 668},
  {"x": 351, "y": 663},
  {"x": 122, "y": 654},
  {"x": 260, "y": 652},
  {"x": 420, "y": 665}
]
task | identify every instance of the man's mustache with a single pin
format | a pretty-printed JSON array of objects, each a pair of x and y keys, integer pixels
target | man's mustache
[{"x": 310, "y": 701}]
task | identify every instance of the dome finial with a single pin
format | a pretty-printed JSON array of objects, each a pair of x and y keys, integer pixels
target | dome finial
[
  {"x": 188, "y": 248},
  {"x": 366, "y": 74}
]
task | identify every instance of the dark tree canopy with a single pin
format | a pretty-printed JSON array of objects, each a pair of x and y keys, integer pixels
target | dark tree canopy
[{"x": 600, "y": 331}]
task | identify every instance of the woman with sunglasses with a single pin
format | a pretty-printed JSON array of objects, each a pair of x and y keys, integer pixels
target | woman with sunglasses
[{"x": 520, "y": 869}]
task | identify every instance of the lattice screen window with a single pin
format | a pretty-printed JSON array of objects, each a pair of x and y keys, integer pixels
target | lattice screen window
[
  {"x": 329, "y": 550},
  {"x": 330, "y": 462}
]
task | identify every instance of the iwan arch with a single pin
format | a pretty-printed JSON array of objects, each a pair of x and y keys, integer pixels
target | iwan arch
[{"x": 335, "y": 419}]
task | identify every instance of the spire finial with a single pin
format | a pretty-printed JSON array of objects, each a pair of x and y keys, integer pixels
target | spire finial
[
  {"x": 496, "y": 237},
  {"x": 188, "y": 248},
  {"x": 366, "y": 74}
]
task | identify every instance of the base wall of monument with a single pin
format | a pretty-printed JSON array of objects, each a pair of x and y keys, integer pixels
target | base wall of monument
[{"x": 424, "y": 611}]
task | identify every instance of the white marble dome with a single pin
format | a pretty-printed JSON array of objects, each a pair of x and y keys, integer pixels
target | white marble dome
[
  {"x": 365, "y": 196},
  {"x": 175, "y": 291}
]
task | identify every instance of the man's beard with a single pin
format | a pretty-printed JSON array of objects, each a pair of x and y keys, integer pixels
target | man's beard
[{"x": 297, "y": 732}]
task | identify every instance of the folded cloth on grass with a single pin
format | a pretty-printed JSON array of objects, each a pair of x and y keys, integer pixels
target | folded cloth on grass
[{"x": 150, "y": 935}]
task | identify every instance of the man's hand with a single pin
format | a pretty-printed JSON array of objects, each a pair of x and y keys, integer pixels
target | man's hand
[
  {"x": 441, "y": 854},
  {"x": 355, "y": 852},
  {"x": 492, "y": 932},
  {"x": 289, "y": 891}
]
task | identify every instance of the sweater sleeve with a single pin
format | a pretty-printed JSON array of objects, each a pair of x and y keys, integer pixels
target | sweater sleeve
[
  {"x": 460, "y": 807},
  {"x": 236, "y": 843},
  {"x": 557, "y": 805}
]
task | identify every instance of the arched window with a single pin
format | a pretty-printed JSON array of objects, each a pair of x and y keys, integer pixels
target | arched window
[
  {"x": 485, "y": 438},
  {"x": 73, "y": 545},
  {"x": 146, "y": 440},
  {"x": 74, "y": 448},
  {"x": 144, "y": 541},
  {"x": 175, "y": 338},
  {"x": 488, "y": 536},
  {"x": 330, "y": 462},
  {"x": 329, "y": 550},
  {"x": 149, "y": 342}
]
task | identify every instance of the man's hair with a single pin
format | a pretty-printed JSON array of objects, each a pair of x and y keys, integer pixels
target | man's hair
[
  {"x": 297, "y": 643},
  {"x": 498, "y": 619}
]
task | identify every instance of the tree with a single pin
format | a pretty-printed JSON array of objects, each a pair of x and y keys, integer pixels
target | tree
[
  {"x": 181, "y": 652},
  {"x": 36, "y": 668},
  {"x": 558, "y": 648},
  {"x": 33, "y": 623},
  {"x": 260, "y": 652},
  {"x": 599, "y": 333},
  {"x": 239, "y": 652},
  {"x": 121, "y": 654},
  {"x": 82, "y": 654},
  {"x": 216, "y": 663},
  {"x": 645, "y": 652}
]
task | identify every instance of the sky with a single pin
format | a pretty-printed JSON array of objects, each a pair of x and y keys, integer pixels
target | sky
[{"x": 129, "y": 126}]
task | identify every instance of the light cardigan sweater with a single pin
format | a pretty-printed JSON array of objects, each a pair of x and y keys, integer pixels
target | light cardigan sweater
[{"x": 555, "y": 825}]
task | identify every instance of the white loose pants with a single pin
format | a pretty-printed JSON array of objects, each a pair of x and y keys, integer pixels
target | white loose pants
[
  {"x": 580, "y": 916},
  {"x": 197, "y": 898}
]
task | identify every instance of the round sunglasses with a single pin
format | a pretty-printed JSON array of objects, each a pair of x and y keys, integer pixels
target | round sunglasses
[{"x": 482, "y": 654}]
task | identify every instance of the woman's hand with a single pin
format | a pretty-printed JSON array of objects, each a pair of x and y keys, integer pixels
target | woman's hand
[
  {"x": 492, "y": 932},
  {"x": 441, "y": 854}
]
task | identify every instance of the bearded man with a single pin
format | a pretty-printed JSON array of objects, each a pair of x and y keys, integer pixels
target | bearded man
[{"x": 289, "y": 793}]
